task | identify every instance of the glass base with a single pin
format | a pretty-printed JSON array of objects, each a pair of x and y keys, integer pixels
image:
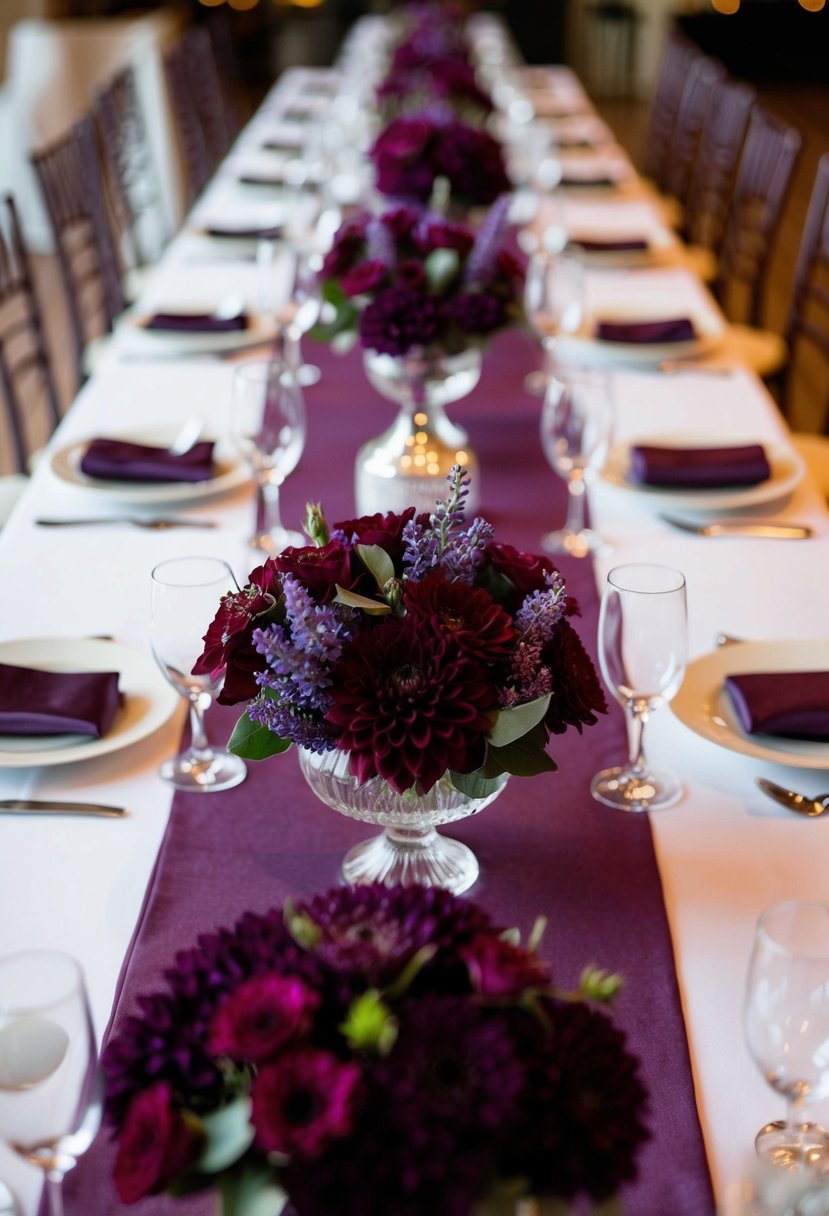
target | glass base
[
  {"x": 220, "y": 770},
  {"x": 408, "y": 856},
  {"x": 8, "y": 1203},
  {"x": 277, "y": 540},
  {"x": 793, "y": 1146},
  {"x": 576, "y": 544},
  {"x": 628, "y": 791}
]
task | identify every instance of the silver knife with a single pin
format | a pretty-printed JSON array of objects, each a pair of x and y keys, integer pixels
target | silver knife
[
  {"x": 757, "y": 527},
  {"x": 23, "y": 806}
]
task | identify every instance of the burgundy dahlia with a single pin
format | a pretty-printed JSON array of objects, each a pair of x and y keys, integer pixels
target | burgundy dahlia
[
  {"x": 469, "y": 616},
  {"x": 398, "y": 319},
  {"x": 478, "y": 312},
  {"x": 303, "y": 1101},
  {"x": 577, "y": 694},
  {"x": 409, "y": 705},
  {"x": 261, "y": 1017}
]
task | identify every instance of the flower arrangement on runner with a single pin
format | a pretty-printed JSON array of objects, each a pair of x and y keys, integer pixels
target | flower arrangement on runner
[
  {"x": 368, "y": 1051},
  {"x": 419, "y": 645},
  {"x": 406, "y": 279}
]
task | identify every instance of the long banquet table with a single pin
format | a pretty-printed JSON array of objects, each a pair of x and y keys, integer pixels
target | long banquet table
[{"x": 723, "y": 853}]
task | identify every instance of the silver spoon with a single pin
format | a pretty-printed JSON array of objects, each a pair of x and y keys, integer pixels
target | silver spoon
[
  {"x": 801, "y": 804},
  {"x": 154, "y": 525}
]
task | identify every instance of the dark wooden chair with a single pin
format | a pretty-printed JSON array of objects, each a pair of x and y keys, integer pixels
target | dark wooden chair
[
  {"x": 134, "y": 186},
  {"x": 678, "y": 55},
  {"x": 714, "y": 169},
  {"x": 807, "y": 329},
  {"x": 703, "y": 74},
  {"x": 71, "y": 179},
  {"x": 761, "y": 187},
  {"x": 197, "y": 99}
]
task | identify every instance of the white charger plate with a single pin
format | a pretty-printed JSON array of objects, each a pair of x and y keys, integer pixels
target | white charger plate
[
  {"x": 787, "y": 469},
  {"x": 231, "y": 472},
  {"x": 702, "y": 703},
  {"x": 149, "y": 701}
]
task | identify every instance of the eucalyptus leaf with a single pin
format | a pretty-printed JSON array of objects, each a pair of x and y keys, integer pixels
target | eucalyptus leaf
[
  {"x": 253, "y": 741},
  {"x": 441, "y": 267},
  {"x": 476, "y": 785},
  {"x": 378, "y": 563},
  {"x": 352, "y": 600},
  {"x": 511, "y": 724},
  {"x": 251, "y": 1190},
  {"x": 229, "y": 1136}
]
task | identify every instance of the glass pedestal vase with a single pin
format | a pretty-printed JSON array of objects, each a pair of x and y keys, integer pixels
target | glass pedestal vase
[
  {"x": 409, "y": 850},
  {"x": 407, "y": 466}
]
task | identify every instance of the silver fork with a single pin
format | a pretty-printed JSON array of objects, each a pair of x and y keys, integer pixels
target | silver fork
[{"x": 154, "y": 525}]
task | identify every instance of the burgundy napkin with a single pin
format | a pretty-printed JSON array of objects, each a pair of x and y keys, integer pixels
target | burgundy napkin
[
  {"x": 700, "y": 468},
  {"x": 610, "y": 246},
  {"x": 283, "y": 145},
  {"x": 254, "y": 233},
  {"x": 121, "y": 460},
  {"x": 57, "y": 702},
  {"x": 604, "y": 180},
  {"x": 792, "y": 704},
  {"x": 674, "y": 329},
  {"x": 196, "y": 322}
]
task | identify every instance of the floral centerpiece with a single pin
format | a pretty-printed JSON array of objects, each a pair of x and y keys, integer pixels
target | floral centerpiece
[
  {"x": 368, "y": 1052},
  {"x": 419, "y": 648},
  {"x": 433, "y": 153}
]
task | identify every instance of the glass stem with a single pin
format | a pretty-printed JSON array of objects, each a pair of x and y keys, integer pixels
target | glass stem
[
  {"x": 293, "y": 350},
  {"x": 54, "y": 1193},
  {"x": 638, "y": 716},
  {"x": 198, "y": 736},
  {"x": 575, "y": 502},
  {"x": 268, "y": 514}
]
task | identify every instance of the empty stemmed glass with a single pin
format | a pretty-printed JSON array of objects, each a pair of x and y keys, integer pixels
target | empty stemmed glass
[
  {"x": 576, "y": 424},
  {"x": 553, "y": 305},
  {"x": 642, "y": 655},
  {"x": 301, "y": 315},
  {"x": 185, "y": 592},
  {"x": 786, "y": 1020},
  {"x": 51, "y": 1090},
  {"x": 268, "y": 427}
]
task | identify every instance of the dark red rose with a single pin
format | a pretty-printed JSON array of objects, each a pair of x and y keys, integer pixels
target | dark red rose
[
  {"x": 383, "y": 530},
  {"x": 577, "y": 694},
  {"x": 434, "y": 233},
  {"x": 500, "y": 970},
  {"x": 155, "y": 1146},
  {"x": 469, "y": 616},
  {"x": 365, "y": 277},
  {"x": 348, "y": 242},
  {"x": 319, "y": 569},
  {"x": 524, "y": 570},
  {"x": 411, "y": 273},
  {"x": 403, "y": 139},
  {"x": 400, "y": 220},
  {"x": 304, "y": 1101},
  {"x": 229, "y": 639},
  {"x": 261, "y": 1016}
]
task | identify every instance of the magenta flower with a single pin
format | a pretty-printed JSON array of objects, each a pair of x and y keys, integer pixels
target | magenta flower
[
  {"x": 365, "y": 277},
  {"x": 261, "y": 1016},
  {"x": 499, "y": 970},
  {"x": 303, "y": 1102},
  {"x": 155, "y": 1146}
]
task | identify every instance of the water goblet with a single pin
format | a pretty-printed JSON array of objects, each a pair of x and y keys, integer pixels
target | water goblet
[
  {"x": 302, "y": 314},
  {"x": 185, "y": 592},
  {"x": 786, "y": 1020},
  {"x": 642, "y": 655},
  {"x": 576, "y": 424},
  {"x": 553, "y": 305},
  {"x": 51, "y": 1090},
  {"x": 268, "y": 428}
]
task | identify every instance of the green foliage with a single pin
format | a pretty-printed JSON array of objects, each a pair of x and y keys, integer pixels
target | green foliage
[
  {"x": 253, "y": 741},
  {"x": 369, "y": 1024},
  {"x": 229, "y": 1136}
]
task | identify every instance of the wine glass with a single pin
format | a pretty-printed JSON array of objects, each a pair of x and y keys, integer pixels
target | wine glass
[
  {"x": 185, "y": 595},
  {"x": 51, "y": 1090},
  {"x": 268, "y": 427},
  {"x": 301, "y": 315},
  {"x": 553, "y": 305},
  {"x": 642, "y": 654},
  {"x": 576, "y": 424},
  {"x": 786, "y": 1019}
]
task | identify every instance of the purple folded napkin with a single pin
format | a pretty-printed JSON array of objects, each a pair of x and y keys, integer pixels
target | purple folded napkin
[
  {"x": 283, "y": 145},
  {"x": 610, "y": 246},
  {"x": 196, "y": 322},
  {"x": 603, "y": 180},
  {"x": 270, "y": 232},
  {"x": 792, "y": 704},
  {"x": 121, "y": 460},
  {"x": 57, "y": 702},
  {"x": 698, "y": 468},
  {"x": 674, "y": 329}
]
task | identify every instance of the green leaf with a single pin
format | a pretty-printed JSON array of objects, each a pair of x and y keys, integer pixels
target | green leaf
[
  {"x": 229, "y": 1136},
  {"x": 441, "y": 267},
  {"x": 253, "y": 741},
  {"x": 369, "y": 1024},
  {"x": 303, "y": 930},
  {"x": 352, "y": 600},
  {"x": 378, "y": 563},
  {"x": 345, "y": 313},
  {"x": 476, "y": 785},
  {"x": 410, "y": 972},
  {"x": 511, "y": 724},
  {"x": 251, "y": 1190},
  {"x": 525, "y": 757}
]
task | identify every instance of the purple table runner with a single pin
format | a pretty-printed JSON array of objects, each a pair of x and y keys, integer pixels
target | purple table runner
[{"x": 545, "y": 847}]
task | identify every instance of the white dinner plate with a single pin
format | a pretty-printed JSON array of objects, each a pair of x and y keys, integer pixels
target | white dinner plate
[
  {"x": 702, "y": 703},
  {"x": 148, "y": 700},
  {"x": 708, "y": 328},
  {"x": 787, "y": 469},
  {"x": 231, "y": 472},
  {"x": 137, "y": 338}
]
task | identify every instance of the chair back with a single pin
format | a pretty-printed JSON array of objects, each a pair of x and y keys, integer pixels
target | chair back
[
  {"x": 807, "y": 331},
  {"x": 677, "y": 57},
  {"x": 712, "y": 175},
  {"x": 703, "y": 75},
  {"x": 71, "y": 179},
  {"x": 198, "y": 104},
  {"x": 26, "y": 382},
  {"x": 761, "y": 186},
  {"x": 133, "y": 184}
]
